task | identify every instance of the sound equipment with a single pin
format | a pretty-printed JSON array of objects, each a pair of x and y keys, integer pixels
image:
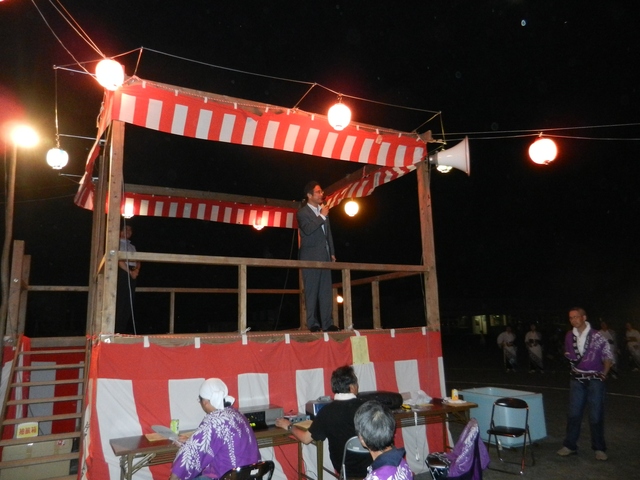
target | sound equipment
[
  {"x": 456, "y": 157},
  {"x": 392, "y": 400}
]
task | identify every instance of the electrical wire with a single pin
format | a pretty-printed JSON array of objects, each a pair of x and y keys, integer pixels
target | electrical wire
[{"x": 57, "y": 37}]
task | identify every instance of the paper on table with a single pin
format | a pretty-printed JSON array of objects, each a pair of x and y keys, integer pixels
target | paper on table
[{"x": 452, "y": 402}]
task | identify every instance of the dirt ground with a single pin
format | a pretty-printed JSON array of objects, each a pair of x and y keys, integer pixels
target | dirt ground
[{"x": 469, "y": 364}]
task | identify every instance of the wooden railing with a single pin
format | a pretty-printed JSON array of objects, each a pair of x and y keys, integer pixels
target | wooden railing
[{"x": 381, "y": 273}]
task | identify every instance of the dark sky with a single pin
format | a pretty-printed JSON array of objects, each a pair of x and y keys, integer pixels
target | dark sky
[{"x": 513, "y": 237}]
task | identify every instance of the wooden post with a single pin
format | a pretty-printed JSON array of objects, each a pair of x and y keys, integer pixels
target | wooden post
[
  {"x": 301, "y": 298},
  {"x": 336, "y": 307},
  {"x": 432, "y": 306},
  {"x": 347, "y": 308},
  {"x": 375, "y": 296},
  {"x": 22, "y": 308},
  {"x": 112, "y": 243},
  {"x": 98, "y": 229},
  {"x": 15, "y": 290},
  {"x": 242, "y": 298},
  {"x": 172, "y": 312}
]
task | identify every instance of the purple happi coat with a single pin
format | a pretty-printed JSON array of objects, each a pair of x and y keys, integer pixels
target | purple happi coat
[
  {"x": 596, "y": 350},
  {"x": 224, "y": 440}
]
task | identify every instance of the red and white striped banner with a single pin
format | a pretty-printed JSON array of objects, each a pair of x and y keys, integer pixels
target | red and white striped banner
[
  {"x": 210, "y": 210},
  {"x": 135, "y": 386},
  {"x": 367, "y": 184},
  {"x": 196, "y": 114}
]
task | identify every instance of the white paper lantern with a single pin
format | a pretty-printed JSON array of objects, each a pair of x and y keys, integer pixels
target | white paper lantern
[
  {"x": 57, "y": 158},
  {"x": 543, "y": 151},
  {"x": 339, "y": 116},
  {"x": 351, "y": 208},
  {"x": 110, "y": 74}
]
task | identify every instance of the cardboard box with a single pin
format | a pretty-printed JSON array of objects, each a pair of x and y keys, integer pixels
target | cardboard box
[{"x": 39, "y": 449}]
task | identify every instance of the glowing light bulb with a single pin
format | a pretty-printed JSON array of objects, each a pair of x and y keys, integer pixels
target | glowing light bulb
[
  {"x": 339, "y": 116},
  {"x": 351, "y": 208},
  {"x": 57, "y": 158},
  {"x": 543, "y": 151},
  {"x": 110, "y": 74}
]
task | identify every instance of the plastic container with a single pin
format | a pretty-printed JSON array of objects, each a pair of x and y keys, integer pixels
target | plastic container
[{"x": 485, "y": 396}]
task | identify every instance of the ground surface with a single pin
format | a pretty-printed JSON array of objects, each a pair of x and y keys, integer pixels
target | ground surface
[{"x": 470, "y": 365}]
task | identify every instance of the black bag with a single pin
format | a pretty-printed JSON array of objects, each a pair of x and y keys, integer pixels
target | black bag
[
  {"x": 438, "y": 464},
  {"x": 391, "y": 400}
]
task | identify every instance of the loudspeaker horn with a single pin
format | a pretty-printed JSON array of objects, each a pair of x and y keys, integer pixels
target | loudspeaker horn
[{"x": 456, "y": 157}]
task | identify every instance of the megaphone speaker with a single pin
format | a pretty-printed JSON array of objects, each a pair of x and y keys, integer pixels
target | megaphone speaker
[{"x": 456, "y": 157}]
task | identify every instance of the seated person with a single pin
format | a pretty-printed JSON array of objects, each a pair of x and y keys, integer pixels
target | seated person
[
  {"x": 376, "y": 427},
  {"x": 334, "y": 422},
  {"x": 223, "y": 440}
]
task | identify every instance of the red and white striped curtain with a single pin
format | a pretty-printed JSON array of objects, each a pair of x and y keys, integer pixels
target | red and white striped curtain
[{"x": 202, "y": 115}]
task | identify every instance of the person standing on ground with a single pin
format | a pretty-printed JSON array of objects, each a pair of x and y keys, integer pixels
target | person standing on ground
[
  {"x": 533, "y": 340},
  {"x": 128, "y": 271},
  {"x": 316, "y": 243},
  {"x": 590, "y": 357},
  {"x": 610, "y": 336},
  {"x": 506, "y": 341},
  {"x": 633, "y": 346}
]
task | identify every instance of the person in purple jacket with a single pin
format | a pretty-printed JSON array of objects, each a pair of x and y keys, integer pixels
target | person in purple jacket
[
  {"x": 224, "y": 439},
  {"x": 591, "y": 359},
  {"x": 376, "y": 427}
]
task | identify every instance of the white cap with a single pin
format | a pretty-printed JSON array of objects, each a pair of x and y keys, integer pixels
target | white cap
[{"x": 215, "y": 390}]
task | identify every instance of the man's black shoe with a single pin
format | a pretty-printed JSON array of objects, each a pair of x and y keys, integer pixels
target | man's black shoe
[
  {"x": 315, "y": 328},
  {"x": 332, "y": 328}
]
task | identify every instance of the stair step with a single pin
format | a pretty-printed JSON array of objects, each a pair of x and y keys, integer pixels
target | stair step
[
  {"x": 38, "y": 460},
  {"x": 51, "y": 352},
  {"x": 39, "y": 438},
  {"x": 49, "y": 367},
  {"x": 30, "y": 401},
  {"x": 47, "y": 418},
  {"x": 47, "y": 382}
]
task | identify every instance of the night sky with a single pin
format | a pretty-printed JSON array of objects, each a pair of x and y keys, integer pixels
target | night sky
[{"x": 513, "y": 237}]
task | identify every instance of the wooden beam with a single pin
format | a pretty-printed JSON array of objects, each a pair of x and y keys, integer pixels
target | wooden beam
[
  {"x": 266, "y": 262},
  {"x": 15, "y": 289},
  {"x": 242, "y": 298},
  {"x": 347, "y": 306},
  {"x": 112, "y": 244},
  {"x": 375, "y": 301},
  {"x": 98, "y": 229},
  {"x": 432, "y": 304},
  {"x": 24, "y": 293}
]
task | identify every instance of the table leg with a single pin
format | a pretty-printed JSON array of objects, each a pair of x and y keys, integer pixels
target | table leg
[{"x": 319, "y": 458}]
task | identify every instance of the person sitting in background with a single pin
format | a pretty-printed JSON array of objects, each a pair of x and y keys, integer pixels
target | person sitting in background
[
  {"x": 376, "y": 427},
  {"x": 224, "y": 439},
  {"x": 334, "y": 422}
]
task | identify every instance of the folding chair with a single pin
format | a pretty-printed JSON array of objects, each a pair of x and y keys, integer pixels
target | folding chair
[
  {"x": 256, "y": 471},
  {"x": 501, "y": 407},
  {"x": 352, "y": 447},
  {"x": 467, "y": 460}
]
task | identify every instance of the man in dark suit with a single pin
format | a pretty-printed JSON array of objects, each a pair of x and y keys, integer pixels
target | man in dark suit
[{"x": 316, "y": 243}]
